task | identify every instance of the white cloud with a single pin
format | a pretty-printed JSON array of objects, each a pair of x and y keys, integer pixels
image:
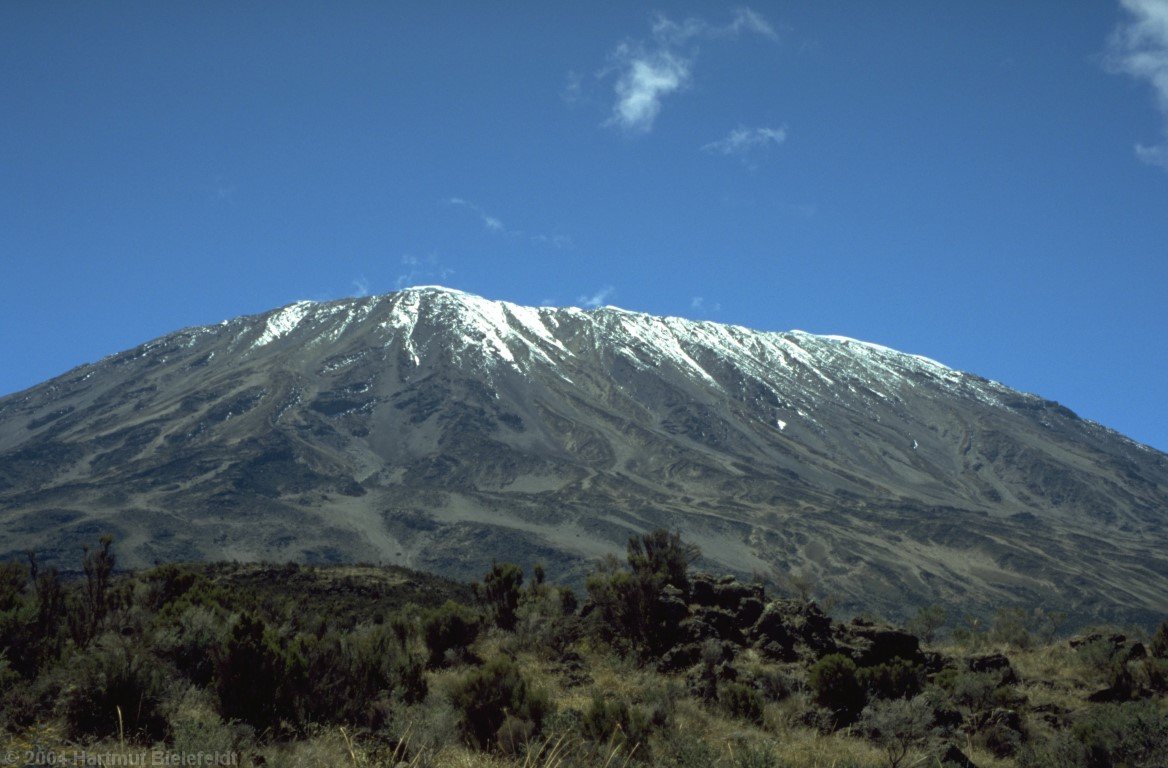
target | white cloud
[
  {"x": 640, "y": 88},
  {"x": 1139, "y": 48},
  {"x": 597, "y": 299},
  {"x": 490, "y": 222},
  {"x": 747, "y": 20},
  {"x": 699, "y": 304},
  {"x": 743, "y": 141},
  {"x": 421, "y": 271},
  {"x": 360, "y": 287},
  {"x": 648, "y": 72},
  {"x": 573, "y": 88},
  {"x": 495, "y": 224}
]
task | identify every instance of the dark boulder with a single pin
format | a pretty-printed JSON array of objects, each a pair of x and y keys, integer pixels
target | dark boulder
[
  {"x": 680, "y": 657},
  {"x": 788, "y": 630},
  {"x": 869, "y": 644},
  {"x": 722, "y": 623},
  {"x": 955, "y": 758},
  {"x": 701, "y": 589},
  {"x": 748, "y": 613},
  {"x": 995, "y": 663}
]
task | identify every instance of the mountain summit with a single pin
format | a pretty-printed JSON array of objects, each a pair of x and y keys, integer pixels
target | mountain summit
[{"x": 440, "y": 430}]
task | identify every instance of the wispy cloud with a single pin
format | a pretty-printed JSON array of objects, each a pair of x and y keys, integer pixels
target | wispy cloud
[
  {"x": 648, "y": 78},
  {"x": 573, "y": 88},
  {"x": 647, "y": 71},
  {"x": 360, "y": 287},
  {"x": 495, "y": 224},
  {"x": 1139, "y": 47},
  {"x": 597, "y": 299},
  {"x": 421, "y": 270},
  {"x": 699, "y": 304},
  {"x": 743, "y": 142},
  {"x": 490, "y": 222}
]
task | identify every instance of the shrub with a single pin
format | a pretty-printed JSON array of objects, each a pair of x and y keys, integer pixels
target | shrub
[
  {"x": 897, "y": 679},
  {"x": 86, "y": 617},
  {"x": 741, "y": 701},
  {"x": 13, "y": 577},
  {"x": 685, "y": 750},
  {"x": 500, "y": 591},
  {"x": 662, "y": 557},
  {"x": 1000, "y": 740},
  {"x": 166, "y": 584},
  {"x": 760, "y": 756},
  {"x": 568, "y": 601},
  {"x": 1011, "y": 627},
  {"x": 634, "y": 610},
  {"x": 1098, "y": 656},
  {"x": 1062, "y": 750},
  {"x": 1158, "y": 646},
  {"x": 256, "y": 678},
  {"x": 614, "y": 721},
  {"x": 541, "y": 627},
  {"x": 115, "y": 681},
  {"x": 834, "y": 684},
  {"x": 485, "y": 697},
  {"x": 1132, "y": 733},
  {"x": 976, "y": 691},
  {"x": 773, "y": 684},
  {"x": 449, "y": 631},
  {"x": 899, "y": 725},
  {"x": 926, "y": 622},
  {"x": 348, "y": 674},
  {"x": 192, "y": 643}
]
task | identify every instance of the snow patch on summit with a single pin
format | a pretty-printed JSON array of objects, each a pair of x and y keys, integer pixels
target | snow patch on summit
[{"x": 282, "y": 322}]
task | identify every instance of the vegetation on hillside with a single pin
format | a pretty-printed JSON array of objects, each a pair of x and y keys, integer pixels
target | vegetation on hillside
[{"x": 654, "y": 665}]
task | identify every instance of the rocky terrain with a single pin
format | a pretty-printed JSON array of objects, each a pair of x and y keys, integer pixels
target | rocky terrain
[{"x": 440, "y": 430}]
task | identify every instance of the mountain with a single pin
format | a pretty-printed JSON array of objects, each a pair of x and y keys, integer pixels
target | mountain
[{"x": 440, "y": 430}]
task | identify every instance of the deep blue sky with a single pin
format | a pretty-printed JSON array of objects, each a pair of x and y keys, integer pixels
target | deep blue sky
[{"x": 984, "y": 183}]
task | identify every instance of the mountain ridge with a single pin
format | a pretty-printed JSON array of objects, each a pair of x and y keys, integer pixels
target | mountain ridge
[{"x": 437, "y": 429}]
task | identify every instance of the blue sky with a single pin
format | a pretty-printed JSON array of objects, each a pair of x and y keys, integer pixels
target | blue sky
[{"x": 984, "y": 183}]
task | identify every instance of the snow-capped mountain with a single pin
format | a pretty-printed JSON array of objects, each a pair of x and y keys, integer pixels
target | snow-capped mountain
[{"x": 441, "y": 430}]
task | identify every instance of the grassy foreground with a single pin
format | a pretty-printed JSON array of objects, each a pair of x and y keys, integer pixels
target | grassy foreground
[{"x": 220, "y": 664}]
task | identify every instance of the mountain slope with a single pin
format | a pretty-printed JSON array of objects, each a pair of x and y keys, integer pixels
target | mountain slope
[{"x": 439, "y": 430}]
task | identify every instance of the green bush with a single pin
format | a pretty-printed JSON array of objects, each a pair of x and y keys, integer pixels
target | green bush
[
  {"x": 13, "y": 578},
  {"x": 347, "y": 674},
  {"x": 449, "y": 631},
  {"x": 835, "y": 684},
  {"x": 1062, "y": 749},
  {"x": 192, "y": 642},
  {"x": 899, "y": 725},
  {"x": 86, "y": 616},
  {"x": 742, "y": 701},
  {"x": 485, "y": 697},
  {"x": 256, "y": 678},
  {"x": 115, "y": 688},
  {"x": 762, "y": 756},
  {"x": 662, "y": 557},
  {"x": 1100, "y": 656},
  {"x": 926, "y": 622},
  {"x": 1012, "y": 627},
  {"x": 615, "y": 721},
  {"x": 500, "y": 592},
  {"x": 898, "y": 679},
  {"x": 1128, "y": 734},
  {"x": 1131, "y": 735},
  {"x": 686, "y": 750},
  {"x": 977, "y": 691},
  {"x": 32, "y": 627},
  {"x": 1158, "y": 646}
]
